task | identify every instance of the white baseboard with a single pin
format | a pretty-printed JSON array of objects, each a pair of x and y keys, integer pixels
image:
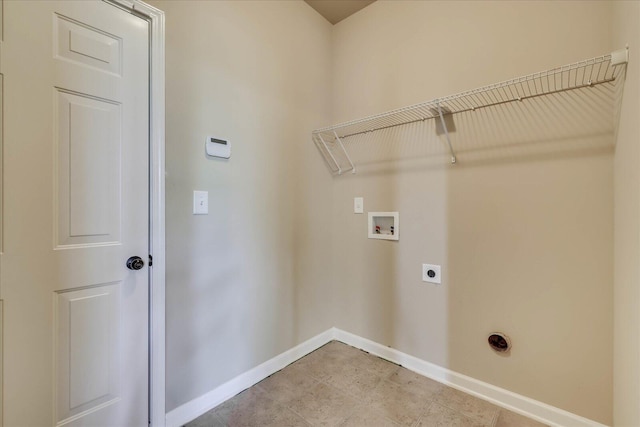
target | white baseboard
[
  {"x": 512, "y": 401},
  {"x": 198, "y": 406}
]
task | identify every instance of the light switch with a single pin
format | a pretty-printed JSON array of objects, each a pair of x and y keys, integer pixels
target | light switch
[
  {"x": 200, "y": 202},
  {"x": 358, "y": 205}
]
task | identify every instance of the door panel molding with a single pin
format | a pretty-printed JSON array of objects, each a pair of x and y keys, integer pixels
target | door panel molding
[
  {"x": 87, "y": 187},
  {"x": 88, "y": 46},
  {"x": 87, "y": 375}
]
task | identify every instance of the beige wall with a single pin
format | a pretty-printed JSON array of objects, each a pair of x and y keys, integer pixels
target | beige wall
[
  {"x": 626, "y": 392},
  {"x": 240, "y": 285},
  {"x": 524, "y": 233}
]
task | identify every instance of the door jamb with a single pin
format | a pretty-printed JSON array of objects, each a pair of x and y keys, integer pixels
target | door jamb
[{"x": 157, "y": 413}]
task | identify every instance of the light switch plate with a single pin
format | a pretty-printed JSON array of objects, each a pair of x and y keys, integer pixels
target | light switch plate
[
  {"x": 200, "y": 202},
  {"x": 358, "y": 205}
]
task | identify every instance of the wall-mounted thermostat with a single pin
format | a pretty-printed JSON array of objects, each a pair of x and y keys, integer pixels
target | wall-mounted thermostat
[{"x": 217, "y": 147}]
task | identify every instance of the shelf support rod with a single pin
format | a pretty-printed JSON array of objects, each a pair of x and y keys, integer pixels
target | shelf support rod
[
  {"x": 353, "y": 167},
  {"x": 446, "y": 133},
  {"x": 330, "y": 154}
]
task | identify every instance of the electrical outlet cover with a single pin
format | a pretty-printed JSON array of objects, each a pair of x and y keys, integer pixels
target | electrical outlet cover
[{"x": 431, "y": 273}]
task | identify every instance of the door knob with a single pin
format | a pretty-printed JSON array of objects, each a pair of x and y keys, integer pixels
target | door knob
[{"x": 135, "y": 263}]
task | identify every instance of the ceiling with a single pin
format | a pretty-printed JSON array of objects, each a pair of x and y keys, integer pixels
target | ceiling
[{"x": 337, "y": 10}]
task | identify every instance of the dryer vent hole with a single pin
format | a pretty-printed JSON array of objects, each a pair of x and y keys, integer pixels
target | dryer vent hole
[{"x": 499, "y": 342}]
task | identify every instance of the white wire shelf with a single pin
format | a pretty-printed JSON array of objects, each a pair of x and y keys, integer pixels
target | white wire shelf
[{"x": 602, "y": 70}]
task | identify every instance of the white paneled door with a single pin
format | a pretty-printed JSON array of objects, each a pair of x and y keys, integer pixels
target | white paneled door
[{"x": 75, "y": 209}]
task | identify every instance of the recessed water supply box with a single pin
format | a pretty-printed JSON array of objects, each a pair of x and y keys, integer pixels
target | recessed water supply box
[{"x": 384, "y": 225}]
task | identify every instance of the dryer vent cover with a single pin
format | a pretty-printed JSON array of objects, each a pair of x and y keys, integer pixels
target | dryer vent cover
[{"x": 499, "y": 342}]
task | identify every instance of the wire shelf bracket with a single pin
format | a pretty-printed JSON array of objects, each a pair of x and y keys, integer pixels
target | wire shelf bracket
[
  {"x": 446, "y": 132},
  {"x": 333, "y": 141}
]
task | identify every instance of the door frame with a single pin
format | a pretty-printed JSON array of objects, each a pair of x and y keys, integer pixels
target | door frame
[{"x": 157, "y": 413}]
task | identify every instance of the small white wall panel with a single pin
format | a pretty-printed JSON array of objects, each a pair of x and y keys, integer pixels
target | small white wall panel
[{"x": 88, "y": 334}]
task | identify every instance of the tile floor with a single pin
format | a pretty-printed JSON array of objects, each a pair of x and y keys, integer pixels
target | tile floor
[{"x": 338, "y": 385}]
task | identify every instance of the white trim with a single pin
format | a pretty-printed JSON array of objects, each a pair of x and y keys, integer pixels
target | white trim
[
  {"x": 1, "y": 353},
  {"x": 512, "y": 401},
  {"x": 157, "y": 291},
  {"x": 198, "y": 406},
  {"x": 157, "y": 193},
  {"x": 523, "y": 405}
]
